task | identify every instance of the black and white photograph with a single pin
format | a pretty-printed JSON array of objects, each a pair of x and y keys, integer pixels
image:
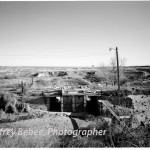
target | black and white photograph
[{"x": 74, "y": 74}]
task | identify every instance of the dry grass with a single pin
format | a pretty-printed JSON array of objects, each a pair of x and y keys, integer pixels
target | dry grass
[
  {"x": 28, "y": 141},
  {"x": 114, "y": 137},
  {"x": 110, "y": 140}
]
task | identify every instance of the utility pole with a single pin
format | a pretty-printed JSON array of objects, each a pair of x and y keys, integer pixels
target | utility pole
[{"x": 118, "y": 75}]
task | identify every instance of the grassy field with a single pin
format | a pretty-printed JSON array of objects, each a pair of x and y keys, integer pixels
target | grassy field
[
  {"x": 114, "y": 137},
  {"x": 135, "y": 79}
]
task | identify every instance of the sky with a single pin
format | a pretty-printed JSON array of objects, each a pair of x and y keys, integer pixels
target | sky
[{"x": 74, "y": 33}]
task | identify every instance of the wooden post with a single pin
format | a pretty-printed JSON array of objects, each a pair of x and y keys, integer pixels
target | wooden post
[
  {"x": 22, "y": 90},
  {"x": 32, "y": 81},
  {"x": 62, "y": 109},
  {"x": 48, "y": 103},
  {"x": 85, "y": 102},
  {"x": 44, "y": 98},
  {"x": 73, "y": 104},
  {"x": 101, "y": 108}
]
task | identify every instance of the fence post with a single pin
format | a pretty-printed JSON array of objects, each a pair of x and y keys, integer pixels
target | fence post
[
  {"x": 85, "y": 102},
  {"x": 62, "y": 109},
  {"x": 73, "y": 104},
  {"x": 32, "y": 81},
  {"x": 22, "y": 88}
]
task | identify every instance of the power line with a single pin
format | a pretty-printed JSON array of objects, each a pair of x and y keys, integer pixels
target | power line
[
  {"x": 58, "y": 55},
  {"x": 51, "y": 57}
]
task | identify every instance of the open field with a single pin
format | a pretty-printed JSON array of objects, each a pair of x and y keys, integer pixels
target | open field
[{"x": 28, "y": 83}]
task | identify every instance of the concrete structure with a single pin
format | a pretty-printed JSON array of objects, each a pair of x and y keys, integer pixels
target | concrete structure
[{"x": 72, "y": 101}]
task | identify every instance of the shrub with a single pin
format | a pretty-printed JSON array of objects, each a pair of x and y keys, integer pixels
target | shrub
[
  {"x": 69, "y": 141},
  {"x": 123, "y": 81},
  {"x": 42, "y": 82},
  {"x": 8, "y": 77},
  {"x": 80, "y": 81},
  {"x": 62, "y": 73}
]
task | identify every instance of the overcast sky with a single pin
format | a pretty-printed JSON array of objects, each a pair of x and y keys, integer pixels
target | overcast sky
[{"x": 73, "y": 33}]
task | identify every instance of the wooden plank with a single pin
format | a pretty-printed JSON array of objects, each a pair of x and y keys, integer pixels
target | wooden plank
[
  {"x": 52, "y": 94},
  {"x": 67, "y": 103},
  {"x": 107, "y": 105},
  {"x": 72, "y": 93}
]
